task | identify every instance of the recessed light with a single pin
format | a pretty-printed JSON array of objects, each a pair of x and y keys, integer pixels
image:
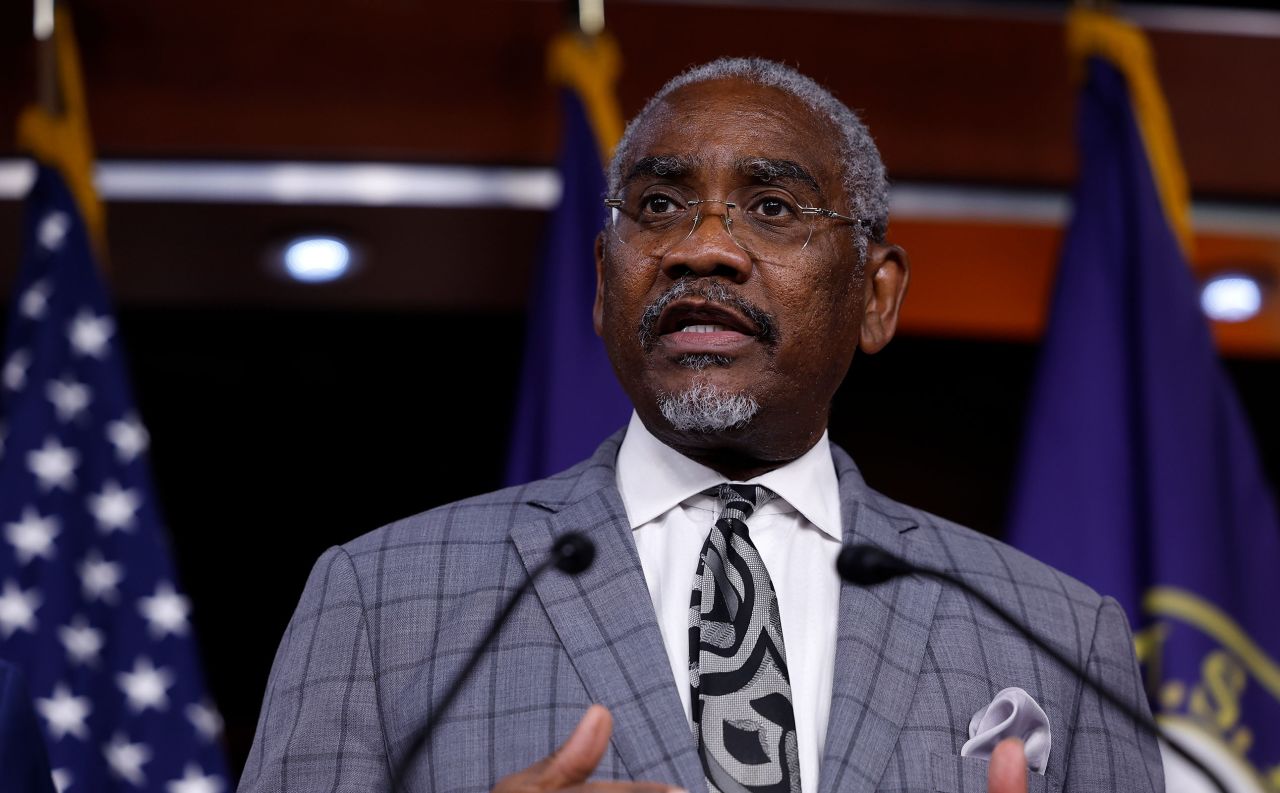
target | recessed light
[
  {"x": 1231, "y": 297},
  {"x": 317, "y": 259}
]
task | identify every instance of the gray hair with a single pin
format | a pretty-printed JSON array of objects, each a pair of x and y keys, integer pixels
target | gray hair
[
  {"x": 865, "y": 183},
  {"x": 706, "y": 408}
]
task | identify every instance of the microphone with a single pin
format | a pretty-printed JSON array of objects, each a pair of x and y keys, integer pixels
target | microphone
[
  {"x": 571, "y": 553},
  {"x": 867, "y": 565}
]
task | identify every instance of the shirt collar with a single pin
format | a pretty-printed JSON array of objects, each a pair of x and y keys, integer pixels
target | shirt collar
[{"x": 653, "y": 478}]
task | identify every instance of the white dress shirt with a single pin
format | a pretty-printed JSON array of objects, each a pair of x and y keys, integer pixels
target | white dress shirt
[{"x": 798, "y": 535}]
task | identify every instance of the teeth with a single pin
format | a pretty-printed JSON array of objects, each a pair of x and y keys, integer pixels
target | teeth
[{"x": 702, "y": 328}]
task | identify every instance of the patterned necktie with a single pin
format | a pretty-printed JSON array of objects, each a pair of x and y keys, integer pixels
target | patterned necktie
[{"x": 742, "y": 715}]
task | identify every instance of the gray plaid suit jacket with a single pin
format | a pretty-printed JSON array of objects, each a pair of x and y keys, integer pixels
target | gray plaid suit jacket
[{"x": 386, "y": 621}]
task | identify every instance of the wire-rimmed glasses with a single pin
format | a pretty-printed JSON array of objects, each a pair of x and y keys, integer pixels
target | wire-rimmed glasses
[{"x": 761, "y": 219}]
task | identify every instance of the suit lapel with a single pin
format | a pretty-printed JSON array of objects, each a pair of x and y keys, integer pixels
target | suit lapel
[
  {"x": 605, "y": 620},
  {"x": 880, "y": 643}
]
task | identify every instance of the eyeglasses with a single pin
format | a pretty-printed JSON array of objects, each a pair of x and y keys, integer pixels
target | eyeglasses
[{"x": 761, "y": 219}]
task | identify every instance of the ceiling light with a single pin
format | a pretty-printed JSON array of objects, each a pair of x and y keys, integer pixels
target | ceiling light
[
  {"x": 317, "y": 259},
  {"x": 1231, "y": 297}
]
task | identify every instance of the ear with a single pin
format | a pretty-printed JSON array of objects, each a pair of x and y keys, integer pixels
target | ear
[
  {"x": 885, "y": 278},
  {"x": 597, "y": 310}
]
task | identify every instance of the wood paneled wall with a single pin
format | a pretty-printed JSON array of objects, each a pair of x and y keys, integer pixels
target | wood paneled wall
[{"x": 977, "y": 98}]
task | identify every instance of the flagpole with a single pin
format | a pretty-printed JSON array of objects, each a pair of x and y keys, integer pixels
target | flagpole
[
  {"x": 591, "y": 17},
  {"x": 55, "y": 129},
  {"x": 585, "y": 16},
  {"x": 42, "y": 24}
]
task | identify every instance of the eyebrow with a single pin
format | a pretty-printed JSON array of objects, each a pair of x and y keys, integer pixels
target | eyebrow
[
  {"x": 770, "y": 170},
  {"x": 662, "y": 166},
  {"x": 764, "y": 169}
]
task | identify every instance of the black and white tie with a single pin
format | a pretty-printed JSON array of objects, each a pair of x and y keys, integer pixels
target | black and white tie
[{"x": 741, "y": 691}]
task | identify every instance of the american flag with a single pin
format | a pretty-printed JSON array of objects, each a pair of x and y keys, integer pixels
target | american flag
[{"x": 89, "y": 605}]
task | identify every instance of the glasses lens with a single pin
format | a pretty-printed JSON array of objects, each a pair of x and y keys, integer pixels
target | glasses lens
[
  {"x": 655, "y": 218},
  {"x": 768, "y": 220},
  {"x": 761, "y": 219}
]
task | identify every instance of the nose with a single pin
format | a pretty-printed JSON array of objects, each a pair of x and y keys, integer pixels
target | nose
[{"x": 709, "y": 249}]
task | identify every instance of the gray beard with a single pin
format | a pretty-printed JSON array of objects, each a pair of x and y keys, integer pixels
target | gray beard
[{"x": 705, "y": 408}]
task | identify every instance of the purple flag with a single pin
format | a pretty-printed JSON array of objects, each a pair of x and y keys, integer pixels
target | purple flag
[
  {"x": 570, "y": 400},
  {"x": 1139, "y": 474}
]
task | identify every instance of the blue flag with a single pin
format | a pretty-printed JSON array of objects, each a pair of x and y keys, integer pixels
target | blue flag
[
  {"x": 569, "y": 399},
  {"x": 1139, "y": 474},
  {"x": 24, "y": 764},
  {"x": 90, "y": 609}
]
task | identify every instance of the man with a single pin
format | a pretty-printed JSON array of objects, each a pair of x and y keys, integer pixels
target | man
[{"x": 742, "y": 263}]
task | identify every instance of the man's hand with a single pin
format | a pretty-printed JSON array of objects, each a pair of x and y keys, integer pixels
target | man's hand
[
  {"x": 1007, "y": 770},
  {"x": 569, "y": 766}
]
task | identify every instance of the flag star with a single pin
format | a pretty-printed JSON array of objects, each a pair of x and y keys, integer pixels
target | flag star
[
  {"x": 18, "y": 609},
  {"x": 54, "y": 465},
  {"x": 114, "y": 508},
  {"x": 32, "y": 536},
  {"x": 206, "y": 719},
  {"x": 69, "y": 398},
  {"x": 65, "y": 714},
  {"x": 146, "y": 687},
  {"x": 35, "y": 301},
  {"x": 61, "y": 779},
  {"x": 53, "y": 229},
  {"x": 126, "y": 759},
  {"x": 166, "y": 611},
  {"x": 99, "y": 578},
  {"x": 82, "y": 641},
  {"x": 89, "y": 334},
  {"x": 15, "y": 370},
  {"x": 129, "y": 437},
  {"x": 195, "y": 782}
]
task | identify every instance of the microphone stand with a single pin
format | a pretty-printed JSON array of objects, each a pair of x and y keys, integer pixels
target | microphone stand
[
  {"x": 867, "y": 565},
  {"x": 571, "y": 553}
]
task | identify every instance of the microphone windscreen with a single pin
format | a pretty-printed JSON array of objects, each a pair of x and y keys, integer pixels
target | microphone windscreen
[
  {"x": 573, "y": 552},
  {"x": 867, "y": 565}
]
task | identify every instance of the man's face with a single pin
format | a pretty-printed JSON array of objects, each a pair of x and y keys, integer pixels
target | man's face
[{"x": 707, "y": 319}]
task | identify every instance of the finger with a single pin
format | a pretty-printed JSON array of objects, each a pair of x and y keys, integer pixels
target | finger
[
  {"x": 1007, "y": 771},
  {"x": 579, "y": 755}
]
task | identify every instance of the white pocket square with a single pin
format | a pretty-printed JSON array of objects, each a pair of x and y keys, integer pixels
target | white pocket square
[{"x": 1012, "y": 714}]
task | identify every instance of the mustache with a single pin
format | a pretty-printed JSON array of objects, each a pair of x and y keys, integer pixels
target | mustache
[{"x": 712, "y": 292}]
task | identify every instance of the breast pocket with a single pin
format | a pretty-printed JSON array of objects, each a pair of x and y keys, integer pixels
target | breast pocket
[{"x": 955, "y": 774}]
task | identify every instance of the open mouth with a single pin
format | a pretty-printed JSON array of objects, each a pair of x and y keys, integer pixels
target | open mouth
[
  {"x": 703, "y": 317},
  {"x": 696, "y": 325}
]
